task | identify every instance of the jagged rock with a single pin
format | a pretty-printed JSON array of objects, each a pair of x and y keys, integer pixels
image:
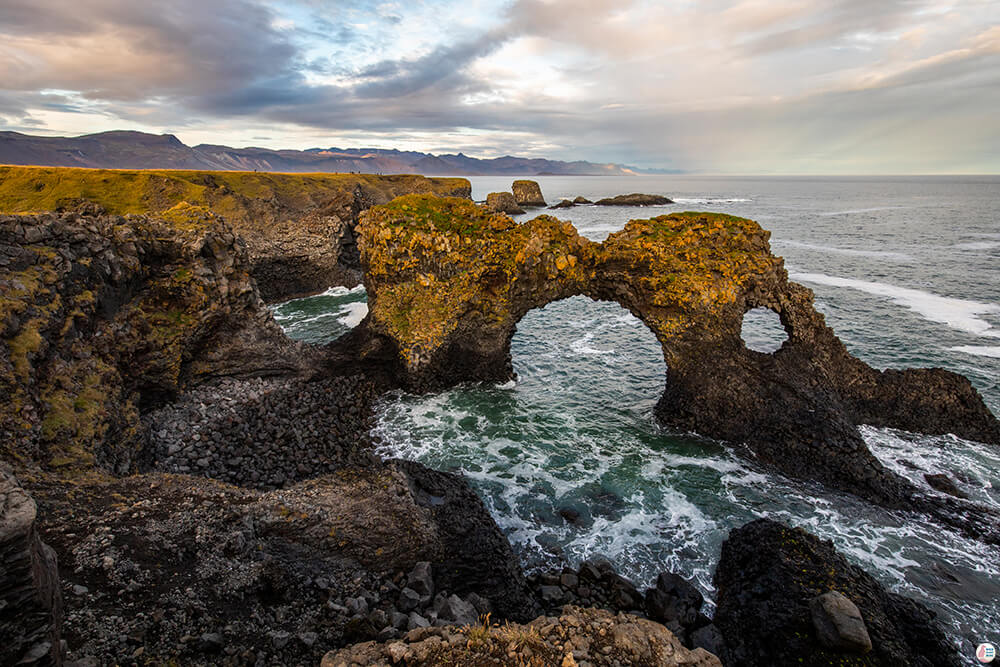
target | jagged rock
[
  {"x": 503, "y": 202},
  {"x": 143, "y": 308},
  {"x": 767, "y": 578},
  {"x": 575, "y": 637},
  {"x": 674, "y": 600},
  {"x": 635, "y": 199},
  {"x": 838, "y": 624},
  {"x": 456, "y": 610},
  {"x": 450, "y": 315},
  {"x": 30, "y": 600},
  {"x": 528, "y": 193},
  {"x": 420, "y": 579},
  {"x": 298, "y": 228}
]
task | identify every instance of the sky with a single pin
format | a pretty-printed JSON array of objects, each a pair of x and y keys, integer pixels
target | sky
[{"x": 718, "y": 86}]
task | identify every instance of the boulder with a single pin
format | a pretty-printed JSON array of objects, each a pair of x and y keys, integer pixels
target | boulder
[
  {"x": 30, "y": 598},
  {"x": 635, "y": 199},
  {"x": 528, "y": 193},
  {"x": 503, "y": 202},
  {"x": 838, "y": 624},
  {"x": 786, "y": 597}
]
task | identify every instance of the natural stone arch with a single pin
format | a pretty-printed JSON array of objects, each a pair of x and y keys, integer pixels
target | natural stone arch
[{"x": 448, "y": 281}]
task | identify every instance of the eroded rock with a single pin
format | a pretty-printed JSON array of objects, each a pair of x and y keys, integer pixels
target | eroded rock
[
  {"x": 30, "y": 600},
  {"x": 503, "y": 202},
  {"x": 448, "y": 282},
  {"x": 528, "y": 193}
]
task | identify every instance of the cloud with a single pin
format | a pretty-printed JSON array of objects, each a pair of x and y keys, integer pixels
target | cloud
[{"x": 725, "y": 85}]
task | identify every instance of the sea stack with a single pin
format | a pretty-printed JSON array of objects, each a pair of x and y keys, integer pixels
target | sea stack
[
  {"x": 503, "y": 202},
  {"x": 528, "y": 193}
]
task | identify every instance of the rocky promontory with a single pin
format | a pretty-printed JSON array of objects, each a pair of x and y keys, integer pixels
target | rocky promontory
[
  {"x": 528, "y": 193},
  {"x": 298, "y": 228}
]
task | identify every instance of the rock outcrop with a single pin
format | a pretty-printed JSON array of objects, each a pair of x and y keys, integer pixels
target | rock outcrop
[
  {"x": 528, "y": 193},
  {"x": 565, "y": 203},
  {"x": 195, "y": 571},
  {"x": 447, "y": 283},
  {"x": 103, "y": 315},
  {"x": 574, "y": 637},
  {"x": 298, "y": 228},
  {"x": 778, "y": 604},
  {"x": 503, "y": 202},
  {"x": 635, "y": 199},
  {"x": 30, "y": 600}
]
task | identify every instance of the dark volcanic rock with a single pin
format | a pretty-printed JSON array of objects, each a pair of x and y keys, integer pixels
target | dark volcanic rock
[
  {"x": 503, "y": 202},
  {"x": 528, "y": 193},
  {"x": 635, "y": 199},
  {"x": 582, "y": 200},
  {"x": 30, "y": 599},
  {"x": 167, "y": 561},
  {"x": 767, "y": 579},
  {"x": 565, "y": 203}
]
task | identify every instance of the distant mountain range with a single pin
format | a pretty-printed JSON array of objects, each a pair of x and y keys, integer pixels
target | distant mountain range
[{"x": 138, "y": 150}]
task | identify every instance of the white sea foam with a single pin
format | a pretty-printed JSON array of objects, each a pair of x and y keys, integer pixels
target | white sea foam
[
  {"x": 710, "y": 200},
  {"x": 956, "y": 313},
  {"x": 880, "y": 254},
  {"x": 352, "y": 313},
  {"x": 978, "y": 350},
  {"x": 583, "y": 346},
  {"x": 852, "y": 211},
  {"x": 977, "y": 245},
  {"x": 343, "y": 291}
]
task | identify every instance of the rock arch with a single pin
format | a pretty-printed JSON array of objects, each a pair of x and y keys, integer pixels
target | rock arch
[{"x": 448, "y": 281}]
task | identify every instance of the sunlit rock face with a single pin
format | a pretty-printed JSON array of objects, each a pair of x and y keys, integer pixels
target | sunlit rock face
[{"x": 448, "y": 282}]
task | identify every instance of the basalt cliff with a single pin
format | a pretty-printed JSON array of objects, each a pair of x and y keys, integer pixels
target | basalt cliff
[{"x": 208, "y": 486}]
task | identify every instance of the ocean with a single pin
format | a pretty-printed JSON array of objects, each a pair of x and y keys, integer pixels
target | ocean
[{"x": 906, "y": 271}]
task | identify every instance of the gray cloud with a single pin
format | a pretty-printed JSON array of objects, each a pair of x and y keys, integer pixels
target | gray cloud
[{"x": 742, "y": 84}]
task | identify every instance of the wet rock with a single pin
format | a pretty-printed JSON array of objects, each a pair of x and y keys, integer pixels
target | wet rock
[
  {"x": 838, "y": 624},
  {"x": 528, "y": 193},
  {"x": 565, "y": 203},
  {"x": 766, "y": 579},
  {"x": 635, "y": 199},
  {"x": 944, "y": 484},
  {"x": 674, "y": 600}
]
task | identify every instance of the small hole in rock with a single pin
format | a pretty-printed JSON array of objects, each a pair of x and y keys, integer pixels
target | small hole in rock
[{"x": 762, "y": 330}]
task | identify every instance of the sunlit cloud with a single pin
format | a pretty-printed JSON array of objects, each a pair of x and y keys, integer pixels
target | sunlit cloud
[{"x": 728, "y": 86}]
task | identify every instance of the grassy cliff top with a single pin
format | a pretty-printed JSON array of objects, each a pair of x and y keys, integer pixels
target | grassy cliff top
[{"x": 236, "y": 195}]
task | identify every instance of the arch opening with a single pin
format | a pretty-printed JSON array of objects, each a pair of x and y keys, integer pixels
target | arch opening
[{"x": 762, "y": 331}]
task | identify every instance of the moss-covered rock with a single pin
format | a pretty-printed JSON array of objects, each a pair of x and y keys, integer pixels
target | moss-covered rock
[
  {"x": 448, "y": 282},
  {"x": 102, "y": 314},
  {"x": 298, "y": 227}
]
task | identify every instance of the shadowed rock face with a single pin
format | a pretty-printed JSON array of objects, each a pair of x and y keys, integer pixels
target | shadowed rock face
[
  {"x": 448, "y": 282},
  {"x": 769, "y": 578}
]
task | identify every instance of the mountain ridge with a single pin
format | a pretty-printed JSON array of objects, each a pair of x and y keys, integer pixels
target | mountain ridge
[{"x": 128, "y": 149}]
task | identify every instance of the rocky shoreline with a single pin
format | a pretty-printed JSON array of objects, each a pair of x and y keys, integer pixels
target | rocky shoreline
[{"x": 182, "y": 484}]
